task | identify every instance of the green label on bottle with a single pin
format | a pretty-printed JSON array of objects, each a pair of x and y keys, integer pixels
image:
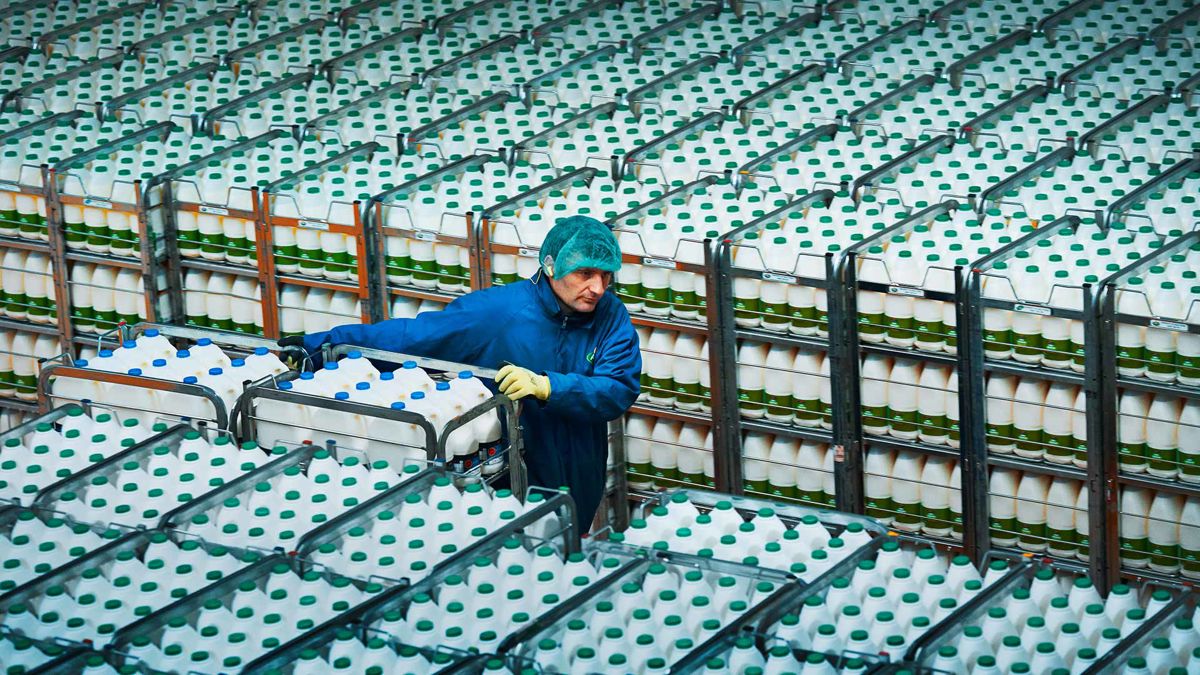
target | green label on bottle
[
  {"x": 903, "y": 421},
  {"x": 1131, "y": 455},
  {"x": 1162, "y": 459},
  {"x": 871, "y": 324},
  {"x": 1130, "y": 357}
]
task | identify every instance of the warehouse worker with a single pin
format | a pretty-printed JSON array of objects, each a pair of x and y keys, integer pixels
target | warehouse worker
[{"x": 574, "y": 348}]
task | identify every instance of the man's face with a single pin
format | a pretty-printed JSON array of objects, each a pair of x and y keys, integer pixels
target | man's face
[{"x": 582, "y": 289}]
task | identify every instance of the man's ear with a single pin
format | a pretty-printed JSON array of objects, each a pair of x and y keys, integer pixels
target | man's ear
[{"x": 548, "y": 265}]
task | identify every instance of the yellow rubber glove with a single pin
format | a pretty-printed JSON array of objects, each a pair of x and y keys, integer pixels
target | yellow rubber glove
[{"x": 517, "y": 383}]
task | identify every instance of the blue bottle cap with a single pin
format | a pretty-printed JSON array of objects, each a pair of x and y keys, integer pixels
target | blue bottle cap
[
  {"x": 285, "y": 386},
  {"x": 105, "y": 353},
  {"x": 332, "y": 365},
  {"x": 342, "y": 395},
  {"x": 182, "y": 354},
  {"x": 260, "y": 351},
  {"x": 237, "y": 363},
  {"x": 190, "y": 379},
  {"x": 398, "y": 405},
  {"x": 135, "y": 371},
  {"x": 215, "y": 371},
  {"x": 387, "y": 376},
  {"x": 306, "y": 376},
  {"x": 159, "y": 363},
  {"x": 418, "y": 395},
  {"x": 354, "y": 355},
  {"x": 362, "y": 386},
  {"x": 129, "y": 344},
  {"x": 81, "y": 363},
  {"x": 409, "y": 365},
  {"x": 151, "y": 332},
  {"x": 465, "y": 374},
  {"x": 443, "y": 386},
  {"x": 203, "y": 342}
]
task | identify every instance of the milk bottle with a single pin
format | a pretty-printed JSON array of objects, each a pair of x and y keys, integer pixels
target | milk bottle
[
  {"x": 1000, "y": 434},
  {"x": 906, "y": 491},
  {"x": 1057, "y": 420},
  {"x": 778, "y": 386},
  {"x": 1162, "y": 437},
  {"x": 877, "y": 483},
  {"x": 1134, "y": 527},
  {"x": 1002, "y": 506},
  {"x": 1189, "y": 441},
  {"x": 1131, "y": 431},
  {"x": 658, "y": 367},
  {"x": 1060, "y": 517},
  {"x": 1028, "y": 406},
  {"x": 933, "y": 402},
  {"x": 935, "y": 496},
  {"x": 902, "y": 399},
  {"x": 686, "y": 371},
  {"x": 752, "y": 356},
  {"x": 1163, "y": 529},
  {"x": 876, "y": 371},
  {"x": 806, "y": 388},
  {"x": 1189, "y": 538}
]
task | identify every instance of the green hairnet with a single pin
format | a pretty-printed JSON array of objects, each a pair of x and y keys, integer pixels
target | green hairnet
[{"x": 578, "y": 242}]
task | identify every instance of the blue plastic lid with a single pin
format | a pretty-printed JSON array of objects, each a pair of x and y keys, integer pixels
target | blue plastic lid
[
  {"x": 398, "y": 405},
  {"x": 332, "y": 365},
  {"x": 354, "y": 355},
  {"x": 182, "y": 354},
  {"x": 285, "y": 386},
  {"x": 135, "y": 371},
  {"x": 306, "y": 376},
  {"x": 203, "y": 342},
  {"x": 418, "y": 395},
  {"x": 129, "y": 344},
  {"x": 215, "y": 371},
  {"x": 237, "y": 363},
  {"x": 363, "y": 386},
  {"x": 151, "y": 332},
  {"x": 260, "y": 351},
  {"x": 342, "y": 395},
  {"x": 443, "y": 386},
  {"x": 105, "y": 353},
  {"x": 81, "y": 363},
  {"x": 409, "y": 365},
  {"x": 465, "y": 374},
  {"x": 190, "y": 379},
  {"x": 158, "y": 363},
  {"x": 387, "y": 376}
]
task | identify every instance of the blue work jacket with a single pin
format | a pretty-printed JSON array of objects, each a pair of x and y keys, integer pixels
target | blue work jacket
[{"x": 593, "y": 361}]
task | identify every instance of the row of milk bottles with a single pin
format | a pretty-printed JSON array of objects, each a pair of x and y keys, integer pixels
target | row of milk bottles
[
  {"x": 1036, "y": 419},
  {"x": 1038, "y": 513},
  {"x": 25, "y": 546},
  {"x": 223, "y": 301},
  {"x": 779, "y": 466},
  {"x": 20, "y": 354},
  {"x": 1158, "y": 531},
  {"x": 408, "y": 388},
  {"x": 152, "y": 355},
  {"x": 22, "y": 216},
  {"x": 1058, "y": 622},
  {"x": 281, "y": 509},
  {"x": 784, "y": 385},
  {"x": 102, "y": 296},
  {"x": 258, "y": 618},
  {"x": 436, "y": 209},
  {"x": 96, "y": 601},
  {"x": 48, "y": 454},
  {"x": 144, "y": 490},
  {"x": 1156, "y": 434},
  {"x": 665, "y": 453},
  {"x": 1163, "y": 351},
  {"x": 675, "y": 372},
  {"x": 426, "y": 529},
  {"x": 911, "y": 491},
  {"x": 28, "y": 292}
]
